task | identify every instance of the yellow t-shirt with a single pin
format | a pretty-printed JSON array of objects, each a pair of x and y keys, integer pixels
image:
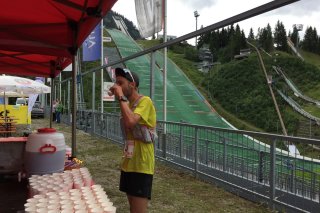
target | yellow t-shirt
[{"x": 142, "y": 160}]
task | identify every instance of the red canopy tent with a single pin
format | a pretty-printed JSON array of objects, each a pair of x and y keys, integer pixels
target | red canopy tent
[{"x": 40, "y": 37}]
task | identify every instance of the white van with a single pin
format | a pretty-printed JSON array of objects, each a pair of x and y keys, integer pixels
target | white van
[{"x": 22, "y": 101}]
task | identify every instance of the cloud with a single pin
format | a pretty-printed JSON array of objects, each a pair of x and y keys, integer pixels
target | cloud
[
  {"x": 300, "y": 8},
  {"x": 198, "y": 5}
]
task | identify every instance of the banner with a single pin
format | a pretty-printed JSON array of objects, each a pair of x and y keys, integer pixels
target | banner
[
  {"x": 106, "y": 87},
  {"x": 20, "y": 113},
  {"x": 91, "y": 47},
  {"x": 149, "y": 16},
  {"x": 110, "y": 71}
]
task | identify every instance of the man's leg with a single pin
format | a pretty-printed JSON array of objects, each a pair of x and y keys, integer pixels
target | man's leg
[{"x": 137, "y": 204}]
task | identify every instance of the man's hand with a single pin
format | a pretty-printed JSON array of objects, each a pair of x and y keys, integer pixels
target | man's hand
[{"x": 116, "y": 90}]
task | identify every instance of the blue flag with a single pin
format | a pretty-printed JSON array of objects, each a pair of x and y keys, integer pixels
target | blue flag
[{"x": 92, "y": 45}]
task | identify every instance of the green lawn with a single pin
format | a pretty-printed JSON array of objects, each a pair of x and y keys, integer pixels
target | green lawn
[
  {"x": 311, "y": 58},
  {"x": 173, "y": 190},
  {"x": 312, "y": 109}
]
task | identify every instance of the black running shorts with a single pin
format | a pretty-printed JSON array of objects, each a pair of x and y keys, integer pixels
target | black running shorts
[{"x": 136, "y": 184}]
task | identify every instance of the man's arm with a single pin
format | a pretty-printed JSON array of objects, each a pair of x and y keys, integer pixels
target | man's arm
[{"x": 130, "y": 118}]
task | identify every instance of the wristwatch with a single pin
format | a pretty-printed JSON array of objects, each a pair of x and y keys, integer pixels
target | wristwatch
[{"x": 123, "y": 98}]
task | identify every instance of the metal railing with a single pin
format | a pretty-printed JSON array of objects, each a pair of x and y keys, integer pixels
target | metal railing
[{"x": 240, "y": 161}]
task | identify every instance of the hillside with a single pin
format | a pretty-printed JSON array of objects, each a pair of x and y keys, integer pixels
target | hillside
[
  {"x": 239, "y": 92},
  {"x": 109, "y": 22},
  {"x": 240, "y": 87}
]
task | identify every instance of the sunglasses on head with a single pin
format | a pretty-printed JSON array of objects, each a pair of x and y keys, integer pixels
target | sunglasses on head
[{"x": 129, "y": 72}]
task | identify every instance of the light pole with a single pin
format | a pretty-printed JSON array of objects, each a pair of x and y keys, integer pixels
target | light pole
[
  {"x": 196, "y": 15},
  {"x": 158, "y": 5},
  {"x": 299, "y": 27}
]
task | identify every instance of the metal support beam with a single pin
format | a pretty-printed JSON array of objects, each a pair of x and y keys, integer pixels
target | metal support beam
[
  {"x": 152, "y": 68},
  {"x": 74, "y": 106},
  {"x": 234, "y": 19},
  {"x": 93, "y": 101},
  {"x": 51, "y": 102}
]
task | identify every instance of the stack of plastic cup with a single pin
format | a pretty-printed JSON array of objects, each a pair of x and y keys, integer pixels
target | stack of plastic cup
[
  {"x": 70, "y": 191},
  {"x": 57, "y": 182},
  {"x": 86, "y": 176}
]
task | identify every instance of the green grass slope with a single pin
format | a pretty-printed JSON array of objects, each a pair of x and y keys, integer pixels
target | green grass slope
[{"x": 239, "y": 92}]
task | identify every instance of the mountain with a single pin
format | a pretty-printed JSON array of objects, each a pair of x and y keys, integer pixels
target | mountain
[{"x": 109, "y": 22}]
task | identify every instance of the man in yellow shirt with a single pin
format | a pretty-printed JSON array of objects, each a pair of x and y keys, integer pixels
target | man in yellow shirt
[{"x": 138, "y": 122}]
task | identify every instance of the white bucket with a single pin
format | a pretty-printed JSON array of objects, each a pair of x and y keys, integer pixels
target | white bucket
[{"x": 45, "y": 152}]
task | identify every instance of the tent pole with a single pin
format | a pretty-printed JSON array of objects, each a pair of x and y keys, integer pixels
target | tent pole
[
  {"x": 51, "y": 102},
  {"x": 165, "y": 66},
  {"x": 74, "y": 105}
]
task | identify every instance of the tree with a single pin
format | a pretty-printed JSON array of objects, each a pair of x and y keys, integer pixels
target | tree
[
  {"x": 204, "y": 39},
  {"x": 223, "y": 37},
  {"x": 310, "y": 41},
  {"x": 280, "y": 37},
  {"x": 243, "y": 40},
  {"x": 294, "y": 37},
  {"x": 266, "y": 39},
  {"x": 251, "y": 34},
  {"x": 315, "y": 37},
  {"x": 318, "y": 47}
]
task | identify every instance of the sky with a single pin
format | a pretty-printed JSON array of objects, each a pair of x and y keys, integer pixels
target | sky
[{"x": 181, "y": 20}]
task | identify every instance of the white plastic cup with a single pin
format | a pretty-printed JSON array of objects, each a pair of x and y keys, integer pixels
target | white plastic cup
[
  {"x": 43, "y": 200},
  {"x": 98, "y": 190},
  {"x": 32, "y": 200},
  {"x": 42, "y": 210},
  {"x": 75, "y": 173},
  {"x": 66, "y": 210},
  {"x": 66, "y": 202},
  {"x": 90, "y": 202},
  {"x": 61, "y": 194},
  {"x": 80, "y": 206},
  {"x": 41, "y": 205},
  {"x": 87, "y": 181},
  {"x": 85, "y": 188},
  {"x": 54, "y": 206},
  {"x": 26, "y": 205},
  {"x": 54, "y": 197},
  {"x": 74, "y": 190},
  {"x": 39, "y": 196},
  {"x": 69, "y": 184},
  {"x": 30, "y": 209},
  {"x": 95, "y": 209},
  {"x": 84, "y": 170},
  {"x": 75, "y": 198},
  {"x": 68, "y": 172},
  {"x": 110, "y": 209},
  {"x": 54, "y": 211},
  {"x": 105, "y": 204},
  {"x": 79, "y": 202},
  {"x": 76, "y": 193},
  {"x": 102, "y": 196},
  {"x": 77, "y": 184},
  {"x": 55, "y": 201},
  {"x": 87, "y": 192},
  {"x": 48, "y": 194},
  {"x": 80, "y": 211},
  {"x": 67, "y": 207}
]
